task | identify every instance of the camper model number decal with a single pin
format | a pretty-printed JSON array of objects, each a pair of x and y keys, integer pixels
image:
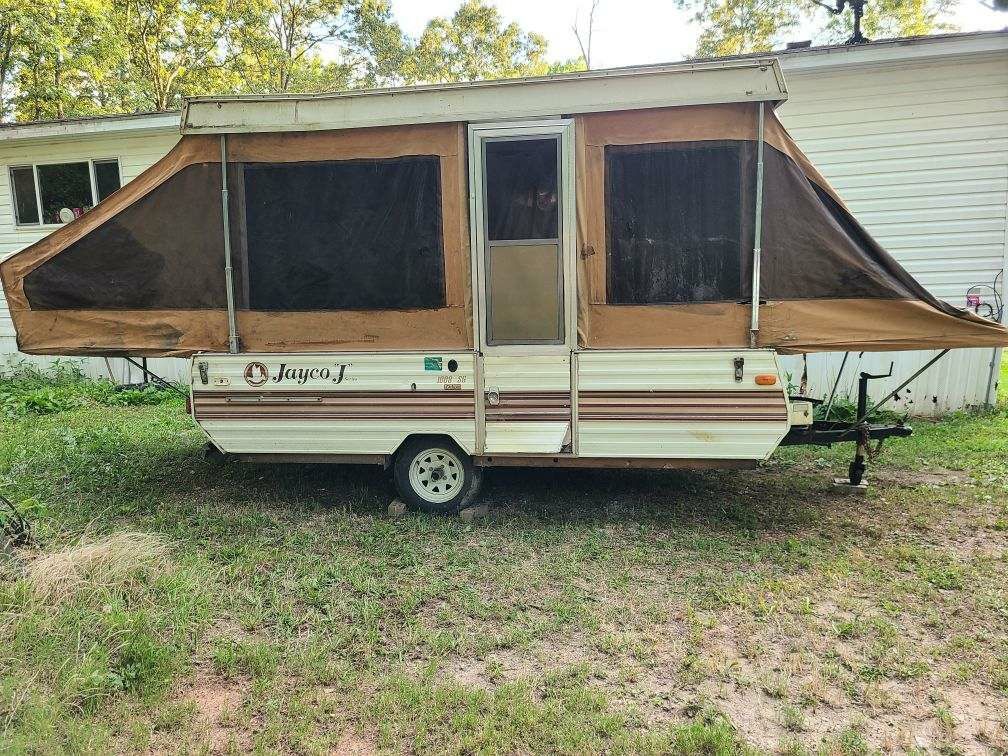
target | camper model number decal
[{"x": 256, "y": 374}]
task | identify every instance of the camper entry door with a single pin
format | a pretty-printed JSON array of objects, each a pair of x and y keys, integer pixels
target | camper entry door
[{"x": 522, "y": 197}]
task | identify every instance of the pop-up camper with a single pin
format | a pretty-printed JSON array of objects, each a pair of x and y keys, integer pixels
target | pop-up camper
[{"x": 587, "y": 269}]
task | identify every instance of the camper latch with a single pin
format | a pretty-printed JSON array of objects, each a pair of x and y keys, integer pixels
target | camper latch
[
  {"x": 493, "y": 396},
  {"x": 204, "y": 374},
  {"x": 739, "y": 365}
]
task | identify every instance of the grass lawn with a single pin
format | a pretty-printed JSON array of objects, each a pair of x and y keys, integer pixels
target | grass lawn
[{"x": 175, "y": 605}]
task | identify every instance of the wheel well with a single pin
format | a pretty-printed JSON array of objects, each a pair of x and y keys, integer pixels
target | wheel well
[{"x": 430, "y": 438}]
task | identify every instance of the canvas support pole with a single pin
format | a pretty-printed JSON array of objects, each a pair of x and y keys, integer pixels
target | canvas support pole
[
  {"x": 228, "y": 269},
  {"x": 758, "y": 230}
]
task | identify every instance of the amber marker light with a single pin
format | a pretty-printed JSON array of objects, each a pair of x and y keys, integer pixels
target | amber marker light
[{"x": 766, "y": 379}]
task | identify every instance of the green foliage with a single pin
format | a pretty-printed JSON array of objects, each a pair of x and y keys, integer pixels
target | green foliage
[
  {"x": 474, "y": 44},
  {"x": 122, "y": 629},
  {"x": 736, "y": 27},
  {"x": 68, "y": 58},
  {"x": 710, "y": 734},
  {"x": 845, "y": 410},
  {"x": 29, "y": 390}
]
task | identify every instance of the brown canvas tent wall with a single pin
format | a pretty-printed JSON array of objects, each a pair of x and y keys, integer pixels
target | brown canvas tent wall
[
  {"x": 143, "y": 272},
  {"x": 825, "y": 283},
  {"x": 146, "y": 275}
]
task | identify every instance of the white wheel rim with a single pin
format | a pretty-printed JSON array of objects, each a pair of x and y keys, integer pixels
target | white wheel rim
[{"x": 437, "y": 475}]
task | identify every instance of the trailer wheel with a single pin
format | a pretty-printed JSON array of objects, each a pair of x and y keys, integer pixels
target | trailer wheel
[{"x": 434, "y": 475}]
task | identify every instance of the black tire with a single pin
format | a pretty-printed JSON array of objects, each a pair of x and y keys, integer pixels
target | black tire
[{"x": 445, "y": 479}]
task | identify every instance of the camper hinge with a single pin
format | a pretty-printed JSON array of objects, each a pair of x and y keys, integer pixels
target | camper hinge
[{"x": 739, "y": 365}]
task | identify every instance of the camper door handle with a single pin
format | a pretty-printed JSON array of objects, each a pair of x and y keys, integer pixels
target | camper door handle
[{"x": 493, "y": 396}]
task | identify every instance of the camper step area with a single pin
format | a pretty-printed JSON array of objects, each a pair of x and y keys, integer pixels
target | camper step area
[{"x": 438, "y": 418}]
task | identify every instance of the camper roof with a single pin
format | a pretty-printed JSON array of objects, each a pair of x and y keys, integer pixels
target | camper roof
[{"x": 751, "y": 80}]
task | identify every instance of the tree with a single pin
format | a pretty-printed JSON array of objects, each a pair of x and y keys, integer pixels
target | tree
[
  {"x": 584, "y": 40},
  {"x": 374, "y": 46},
  {"x": 735, "y": 27},
  {"x": 279, "y": 41},
  {"x": 893, "y": 18},
  {"x": 54, "y": 47},
  {"x": 18, "y": 25},
  {"x": 475, "y": 44},
  {"x": 67, "y": 58},
  {"x": 174, "y": 48}
]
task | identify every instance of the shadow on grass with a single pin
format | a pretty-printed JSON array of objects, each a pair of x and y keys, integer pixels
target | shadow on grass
[
  {"x": 769, "y": 500},
  {"x": 150, "y": 464}
]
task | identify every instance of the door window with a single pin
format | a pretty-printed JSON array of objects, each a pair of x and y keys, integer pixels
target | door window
[{"x": 524, "y": 287}]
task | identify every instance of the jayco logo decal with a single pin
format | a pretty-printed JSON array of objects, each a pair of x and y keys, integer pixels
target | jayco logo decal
[{"x": 256, "y": 374}]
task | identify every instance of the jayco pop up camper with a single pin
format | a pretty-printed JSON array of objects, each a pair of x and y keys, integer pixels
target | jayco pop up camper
[{"x": 589, "y": 269}]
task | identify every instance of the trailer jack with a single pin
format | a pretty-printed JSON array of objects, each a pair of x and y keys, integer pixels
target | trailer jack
[{"x": 829, "y": 432}]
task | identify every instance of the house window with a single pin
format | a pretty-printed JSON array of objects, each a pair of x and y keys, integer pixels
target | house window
[
  {"x": 674, "y": 221},
  {"x": 55, "y": 193}
]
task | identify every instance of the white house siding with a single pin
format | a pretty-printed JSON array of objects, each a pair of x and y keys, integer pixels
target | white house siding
[
  {"x": 919, "y": 151},
  {"x": 136, "y": 151}
]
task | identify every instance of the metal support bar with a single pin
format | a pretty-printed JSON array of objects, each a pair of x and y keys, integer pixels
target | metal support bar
[
  {"x": 228, "y": 269},
  {"x": 903, "y": 385},
  {"x": 155, "y": 376},
  {"x": 836, "y": 383},
  {"x": 758, "y": 230}
]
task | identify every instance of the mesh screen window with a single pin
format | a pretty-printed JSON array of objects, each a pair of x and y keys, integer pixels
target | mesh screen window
[
  {"x": 346, "y": 235},
  {"x": 674, "y": 223},
  {"x": 164, "y": 251}
]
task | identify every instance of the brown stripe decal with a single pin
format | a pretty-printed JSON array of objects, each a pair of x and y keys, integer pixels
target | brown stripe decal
[
  {"x": 514, "y": 406},
  {"x": 334, "y": 405},
  {"x": 542, "y": 406},
  {"x": 683, "y": 406}
]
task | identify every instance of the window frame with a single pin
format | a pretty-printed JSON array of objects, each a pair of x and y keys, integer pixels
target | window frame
[
  {"x": 490, "y": 244},
  {"x": 534, "y": 128},
  {"x": 684, "y": 146},
  {"x": 18, "y": 225}
]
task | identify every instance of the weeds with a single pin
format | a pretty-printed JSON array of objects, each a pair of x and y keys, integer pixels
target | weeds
[
  {"x": 119, "y": 560},
  {"x": 27, "y": 390}
]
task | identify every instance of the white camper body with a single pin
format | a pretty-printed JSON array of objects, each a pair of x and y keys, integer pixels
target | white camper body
[{"x": 651, "y": 408}]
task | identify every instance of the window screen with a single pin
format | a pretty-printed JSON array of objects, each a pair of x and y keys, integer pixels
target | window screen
[
  {"x": 165, "y": 251},
  {"x": 522, "y": 200},
  {"x": 106, "y": 174},
  {"x": 674, "y": 222},
  {"x": 347, "y": 235},
  {"x": 64, "y": 186},
  {"x": 23, "y": 189}
]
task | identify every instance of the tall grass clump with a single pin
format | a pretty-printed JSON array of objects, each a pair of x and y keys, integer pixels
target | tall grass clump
[{"x": 89, "y": 629}]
